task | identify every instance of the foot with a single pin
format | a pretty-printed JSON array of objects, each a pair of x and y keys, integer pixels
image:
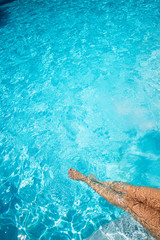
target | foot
[{"x": 75, "y": 175}]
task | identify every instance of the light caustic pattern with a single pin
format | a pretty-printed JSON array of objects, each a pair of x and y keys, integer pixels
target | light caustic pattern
[{"x": 79, "y": 88}]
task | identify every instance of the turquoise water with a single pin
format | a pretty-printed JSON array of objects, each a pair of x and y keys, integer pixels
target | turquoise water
[{"x": 79, "y": 87}]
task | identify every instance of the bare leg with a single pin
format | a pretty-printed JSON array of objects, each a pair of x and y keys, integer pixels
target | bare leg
[
  {"x": 109, "y": 194},
  {"x": 147, "y": 216},
  {"x": 148, "y": 195}
]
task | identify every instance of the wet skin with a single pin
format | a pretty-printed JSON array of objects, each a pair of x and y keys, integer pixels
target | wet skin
[{"x": 143, "y": 203}]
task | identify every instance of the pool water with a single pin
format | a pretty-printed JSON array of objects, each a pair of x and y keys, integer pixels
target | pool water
[{"x": 79, "y": 87}]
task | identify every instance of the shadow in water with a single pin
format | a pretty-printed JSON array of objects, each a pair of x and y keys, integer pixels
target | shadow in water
[
  {"x": 3, "y": 12},
  {"x": 8, "y": 232},
  {"x": 2, "y": 2},
  {"x": 3, "y": 17}
]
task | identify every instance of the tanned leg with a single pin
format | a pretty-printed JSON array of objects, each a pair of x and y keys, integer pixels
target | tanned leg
[
  {"x": 143, "y": 204},
  {"x": 109, "y": 194},
  {"x": 147, "y": 195},
  {"x": 111, "y": 191},
  {"x": 148, "y": 217}
]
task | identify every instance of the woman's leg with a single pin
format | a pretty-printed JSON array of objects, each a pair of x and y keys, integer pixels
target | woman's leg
[
  {"x": 107, "y": 193},
  {"x": 147, "y": 216},
  {"x": 149, "y": 196}
]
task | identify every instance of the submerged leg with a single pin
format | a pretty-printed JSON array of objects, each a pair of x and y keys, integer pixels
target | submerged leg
[
  {"x": 107, "y": 193},
  {"x": 146, "y": 215},
  {"x": 149, "y": 196}
]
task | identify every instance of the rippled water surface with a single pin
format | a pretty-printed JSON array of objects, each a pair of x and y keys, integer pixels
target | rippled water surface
[{"x": 79, "y": 87}]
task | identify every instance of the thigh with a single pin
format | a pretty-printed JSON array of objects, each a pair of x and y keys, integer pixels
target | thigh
[{"x": 147, "y": 216}]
